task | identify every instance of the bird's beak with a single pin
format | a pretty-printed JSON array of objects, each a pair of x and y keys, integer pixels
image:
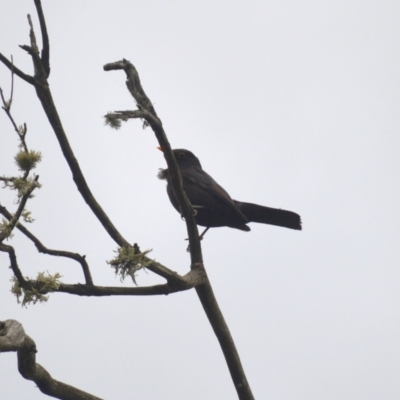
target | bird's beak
[{"x": 160, "y": 148}]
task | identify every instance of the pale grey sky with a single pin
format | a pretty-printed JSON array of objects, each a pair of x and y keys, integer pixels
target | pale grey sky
[{"x": 289, "y": 104}]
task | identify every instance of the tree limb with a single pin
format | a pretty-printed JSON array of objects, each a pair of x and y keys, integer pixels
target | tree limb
[
  {"x": 204, "y": 291},
  {"x": 43, "y": 249},
  {"x": 190, "y": 280},
  {"x": 14, "y": 338},
  {"x": 175, "y": 282},
  {"x": 46, "y": 99}
]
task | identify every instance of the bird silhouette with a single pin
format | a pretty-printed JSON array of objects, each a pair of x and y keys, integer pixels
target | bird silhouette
[{"x": 212, "y": 205}]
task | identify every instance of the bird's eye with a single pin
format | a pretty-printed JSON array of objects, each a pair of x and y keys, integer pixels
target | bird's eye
[{"x": 181, "y": 154}]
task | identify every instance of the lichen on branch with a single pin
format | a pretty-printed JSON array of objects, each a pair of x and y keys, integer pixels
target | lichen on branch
[
  {"x": 27, "y": 160},
  {"x": 128, "y": 261},
  {"x": 37, "y": 290}
]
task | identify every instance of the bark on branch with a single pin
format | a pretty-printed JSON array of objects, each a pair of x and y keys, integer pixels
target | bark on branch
[{"x": 14, "y": 338}]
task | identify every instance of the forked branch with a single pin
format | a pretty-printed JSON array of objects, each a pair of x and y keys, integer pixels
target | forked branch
[{"x": 175, "y": 282}]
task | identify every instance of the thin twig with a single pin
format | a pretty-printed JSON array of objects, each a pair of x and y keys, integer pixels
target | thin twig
[
  {"x": 15, "y": 218},
  {"x": 21, "y": 132},
  {"x": 17, "y": 71}
]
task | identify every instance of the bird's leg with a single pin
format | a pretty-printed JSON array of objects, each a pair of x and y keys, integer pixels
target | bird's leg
[
  {"x": 204, "y": 232},
  {"x": 200, "y": 237}
]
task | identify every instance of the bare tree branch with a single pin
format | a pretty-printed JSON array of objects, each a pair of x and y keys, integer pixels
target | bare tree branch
[
  {"x": 204, "y": 291},
  {"x": 14, "y": 338},
  {"x": 21, "y": 132},
  {"x": 45, "y": 56},
  {"x": 175, "y": 282},
  {"x": 45, "y": 97},
  {"x": 43, "y": 249}
]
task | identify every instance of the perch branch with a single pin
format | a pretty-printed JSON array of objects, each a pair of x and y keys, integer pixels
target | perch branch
[
  {"x": 147, "y": 111},
  {"x": 204, "y": 291}
]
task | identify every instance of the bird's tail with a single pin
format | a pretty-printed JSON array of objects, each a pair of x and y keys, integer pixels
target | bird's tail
[{"x": 271, "y": 216}]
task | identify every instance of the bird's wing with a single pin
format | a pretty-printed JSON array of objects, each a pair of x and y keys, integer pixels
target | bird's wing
[{"x": 203, "y": 191}]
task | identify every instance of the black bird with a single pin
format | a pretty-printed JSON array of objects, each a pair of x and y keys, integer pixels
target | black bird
[{"x": 214, "y": 207}]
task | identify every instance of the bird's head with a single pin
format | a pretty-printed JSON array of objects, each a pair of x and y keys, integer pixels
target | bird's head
[{"x": 185, "y": 158}]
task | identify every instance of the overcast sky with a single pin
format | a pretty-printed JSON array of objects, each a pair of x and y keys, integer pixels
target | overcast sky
[{"x": 290, "y": 104}]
